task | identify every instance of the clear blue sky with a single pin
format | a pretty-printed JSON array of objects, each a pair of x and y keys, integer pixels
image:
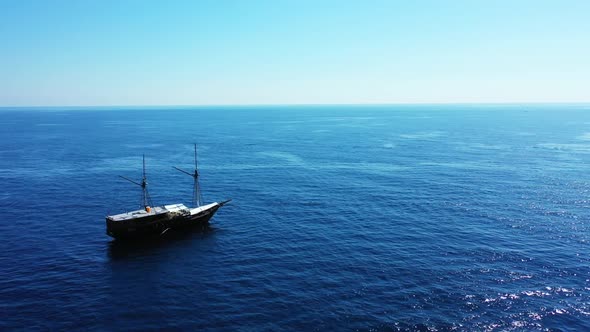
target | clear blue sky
[{"x": 293, "y": 52}]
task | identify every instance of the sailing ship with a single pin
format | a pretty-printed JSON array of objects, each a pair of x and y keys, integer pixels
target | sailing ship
[{"x": 156, "y": 221}]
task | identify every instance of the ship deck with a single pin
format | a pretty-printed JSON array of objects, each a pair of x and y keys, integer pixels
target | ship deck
[
  {"x": 153, "y": 211},
  {"x": 202, "y": 208}
]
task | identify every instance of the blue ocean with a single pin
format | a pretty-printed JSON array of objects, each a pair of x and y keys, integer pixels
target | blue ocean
[{"x": 354, "y": 218}]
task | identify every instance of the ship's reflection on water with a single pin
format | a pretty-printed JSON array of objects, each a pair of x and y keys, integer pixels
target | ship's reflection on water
[{"x": 118, "y": 249}]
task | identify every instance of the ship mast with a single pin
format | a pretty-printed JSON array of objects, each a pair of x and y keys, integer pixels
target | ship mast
[
  {"x": 146, "y": 200},
  {"x": 197, "y": 196}
]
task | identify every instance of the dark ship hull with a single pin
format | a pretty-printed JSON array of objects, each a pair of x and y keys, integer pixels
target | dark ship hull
[{"x": 157, "y": 224}]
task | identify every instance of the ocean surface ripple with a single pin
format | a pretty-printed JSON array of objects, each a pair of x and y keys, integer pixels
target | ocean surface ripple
[{"x": 383, "y": 218}]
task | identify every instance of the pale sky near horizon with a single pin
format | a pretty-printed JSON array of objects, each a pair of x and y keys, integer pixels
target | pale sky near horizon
[{"x": 293, "y": 52}]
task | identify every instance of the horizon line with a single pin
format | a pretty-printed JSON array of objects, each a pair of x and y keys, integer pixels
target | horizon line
[{"x": 509, "y": 103}]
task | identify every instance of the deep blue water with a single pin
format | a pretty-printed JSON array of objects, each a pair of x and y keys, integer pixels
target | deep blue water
[{"x": 343, "y": 218}]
